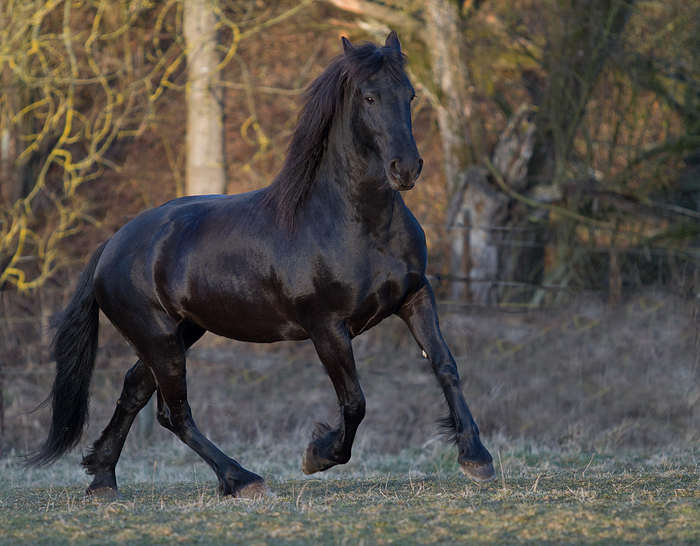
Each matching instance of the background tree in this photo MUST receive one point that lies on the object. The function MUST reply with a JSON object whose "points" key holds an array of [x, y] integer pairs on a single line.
{"points": [[206, 171], [552, 176], [568, 128], [80, 79], [86, 84]]}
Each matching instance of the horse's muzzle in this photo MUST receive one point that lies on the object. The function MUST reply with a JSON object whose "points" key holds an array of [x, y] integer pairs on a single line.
{"points": [[403, 174]]}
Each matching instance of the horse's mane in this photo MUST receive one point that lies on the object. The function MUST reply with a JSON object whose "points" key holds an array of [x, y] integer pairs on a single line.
{"points": [[319, 105]]}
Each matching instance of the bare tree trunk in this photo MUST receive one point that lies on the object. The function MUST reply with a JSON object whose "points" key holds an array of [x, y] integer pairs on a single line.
{"points": [[206, 169], [18, 178], [454, 113], [8, 147], [451, 78], [11, 176], [478, 209], [393, 16]]}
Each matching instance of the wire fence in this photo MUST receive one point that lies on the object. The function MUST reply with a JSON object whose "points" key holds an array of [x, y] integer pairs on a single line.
{"points": [[646, 276], [676, 269], [25, 364], [24, 318]]}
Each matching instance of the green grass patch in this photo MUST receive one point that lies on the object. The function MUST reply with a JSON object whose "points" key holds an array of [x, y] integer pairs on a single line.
{"points": [[566, 497], [629, 507]]}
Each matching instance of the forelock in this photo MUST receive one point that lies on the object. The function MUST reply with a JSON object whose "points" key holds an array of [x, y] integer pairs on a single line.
{"points": [[367, 59]]}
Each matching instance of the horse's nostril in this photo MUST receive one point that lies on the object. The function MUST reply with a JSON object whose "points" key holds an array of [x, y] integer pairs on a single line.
{"points": [[394, 168], [420, 167]]}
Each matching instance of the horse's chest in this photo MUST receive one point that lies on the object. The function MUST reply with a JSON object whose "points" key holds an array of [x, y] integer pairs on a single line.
{"points": [[391, 281]]}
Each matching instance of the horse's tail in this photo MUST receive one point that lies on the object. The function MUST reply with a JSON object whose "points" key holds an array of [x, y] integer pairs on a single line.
{"points": [[74, 348]]}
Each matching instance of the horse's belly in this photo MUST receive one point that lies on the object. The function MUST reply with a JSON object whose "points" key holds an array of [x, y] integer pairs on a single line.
{"points": [[258, 332], [243, 321]]}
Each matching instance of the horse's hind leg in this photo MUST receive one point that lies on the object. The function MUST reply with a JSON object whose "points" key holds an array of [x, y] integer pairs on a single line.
{"points": [[101, 461], [139, 385], [167, 360], [332, 446]]}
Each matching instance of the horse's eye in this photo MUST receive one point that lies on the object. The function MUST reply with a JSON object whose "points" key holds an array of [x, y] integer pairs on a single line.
{"points": [[369, 100]]}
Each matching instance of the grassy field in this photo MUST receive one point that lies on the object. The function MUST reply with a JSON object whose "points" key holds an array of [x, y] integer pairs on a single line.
{"points": [[604, 401], [416, 497]]}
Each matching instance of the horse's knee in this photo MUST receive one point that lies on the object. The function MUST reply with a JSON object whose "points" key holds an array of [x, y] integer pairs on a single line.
{"points": [[139, 385], [139, 379], [163, 419], [135, 376], [447, 375]]}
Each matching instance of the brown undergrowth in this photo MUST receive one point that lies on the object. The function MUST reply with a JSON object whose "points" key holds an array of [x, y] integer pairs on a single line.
{"points": [[590, 411], [586, 376]]}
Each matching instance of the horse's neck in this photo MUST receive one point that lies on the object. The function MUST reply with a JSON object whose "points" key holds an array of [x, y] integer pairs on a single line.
{"points": [[357, 177]]}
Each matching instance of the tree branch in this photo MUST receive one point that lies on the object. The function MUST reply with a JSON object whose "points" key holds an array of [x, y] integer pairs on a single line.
{"points": [[561, 211], [392, 17]]}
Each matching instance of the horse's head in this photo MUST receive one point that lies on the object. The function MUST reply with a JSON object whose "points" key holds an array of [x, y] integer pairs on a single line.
{"points": [[383, 101]]}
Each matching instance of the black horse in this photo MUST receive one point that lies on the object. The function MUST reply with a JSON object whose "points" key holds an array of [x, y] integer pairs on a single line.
{"points": [[325, 252]]}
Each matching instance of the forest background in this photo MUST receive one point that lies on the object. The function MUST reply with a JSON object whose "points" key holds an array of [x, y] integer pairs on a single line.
{"points": [[560, 198]]}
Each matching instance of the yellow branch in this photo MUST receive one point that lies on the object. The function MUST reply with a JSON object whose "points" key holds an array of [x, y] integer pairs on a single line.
{"points": [[536, 204], [287, 14], [64, 52]]}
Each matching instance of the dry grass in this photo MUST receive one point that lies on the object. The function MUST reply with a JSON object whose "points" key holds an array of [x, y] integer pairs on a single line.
{"points": [[416, 497], [586, 377], [591, 414]]}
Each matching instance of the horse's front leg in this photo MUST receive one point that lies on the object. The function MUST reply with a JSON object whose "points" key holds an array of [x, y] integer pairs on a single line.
{"points": [[420, 314], [332, 445]]}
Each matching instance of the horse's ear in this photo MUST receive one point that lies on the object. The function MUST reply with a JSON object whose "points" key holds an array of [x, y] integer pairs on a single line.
{"points": [[392, 41], [348, 48]]}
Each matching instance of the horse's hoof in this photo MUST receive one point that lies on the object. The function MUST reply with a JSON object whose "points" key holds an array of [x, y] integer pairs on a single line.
{"points": [[311, 461], [254, 491], [103, 493], [479, 473]]}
